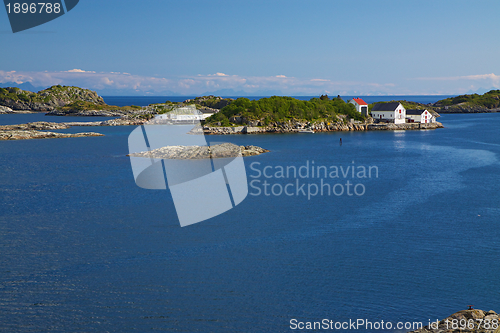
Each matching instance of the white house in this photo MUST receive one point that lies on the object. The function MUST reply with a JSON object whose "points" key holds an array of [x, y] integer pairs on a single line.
{"points": [[393, 112], [420, 116], [361, 106]]}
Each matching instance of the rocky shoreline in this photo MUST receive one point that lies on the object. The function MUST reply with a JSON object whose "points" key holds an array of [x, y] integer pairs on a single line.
{"points": [[462, 322], [465, 108], [223, 150], [321, 127], [37, 130], [7, 110], [86, 113]]}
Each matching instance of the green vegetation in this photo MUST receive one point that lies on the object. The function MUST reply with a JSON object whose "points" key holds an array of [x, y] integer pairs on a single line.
{"points": [[279, 109], [55, 95], [82, 105], [17, 94], [489, 100], [160, 108]]}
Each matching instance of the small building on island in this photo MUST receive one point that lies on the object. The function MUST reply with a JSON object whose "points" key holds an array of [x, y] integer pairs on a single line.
{"points": [[361, 106], [420, 116], [393, 112], [185, 115]]}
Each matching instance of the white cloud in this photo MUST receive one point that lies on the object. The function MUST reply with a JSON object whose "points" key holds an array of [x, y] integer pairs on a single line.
{"points": [[218, 74], [491, 76], [461, 84], [80, 71], [200, 84]]}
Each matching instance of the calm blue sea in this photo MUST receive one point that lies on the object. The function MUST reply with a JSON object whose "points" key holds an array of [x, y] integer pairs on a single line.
{"points": [[83, 249]]}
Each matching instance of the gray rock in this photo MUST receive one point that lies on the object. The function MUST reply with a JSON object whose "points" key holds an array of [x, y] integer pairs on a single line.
{"points": [[86, 113], [224, 150], [5, 109], [36, 130], [26, 135]]}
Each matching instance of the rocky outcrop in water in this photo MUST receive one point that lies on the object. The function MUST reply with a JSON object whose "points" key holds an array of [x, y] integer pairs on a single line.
{"points": [[86, 113], [111, 122], [463, 322], [27, 135], [36, 126], [224, 150], [48, 99], [37, 130]]}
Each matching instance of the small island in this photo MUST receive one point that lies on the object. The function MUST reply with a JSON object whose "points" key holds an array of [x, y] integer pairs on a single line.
{"points": [[38, 130], [276, 114], [223, 150]]}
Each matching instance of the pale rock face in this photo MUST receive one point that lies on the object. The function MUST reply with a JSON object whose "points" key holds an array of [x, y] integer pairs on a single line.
{"points": [[224, 150], [5, 109]]}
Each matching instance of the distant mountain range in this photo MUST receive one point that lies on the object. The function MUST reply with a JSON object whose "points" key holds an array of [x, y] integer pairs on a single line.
{"points": [[479, 91], [131, 92], [24, 86], [232, 92]]}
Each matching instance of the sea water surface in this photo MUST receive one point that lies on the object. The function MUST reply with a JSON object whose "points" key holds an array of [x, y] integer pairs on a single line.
{"points": [[83, 249]]}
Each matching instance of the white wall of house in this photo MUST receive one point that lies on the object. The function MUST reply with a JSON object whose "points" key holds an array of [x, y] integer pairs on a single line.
{"points": [[358, 107], [397, 116], [400, 114], [424, 117], [384, 115], [414, 117]]}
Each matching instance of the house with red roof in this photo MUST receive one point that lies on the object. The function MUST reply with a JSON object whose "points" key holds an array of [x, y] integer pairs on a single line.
{"points": [[361, 106]]}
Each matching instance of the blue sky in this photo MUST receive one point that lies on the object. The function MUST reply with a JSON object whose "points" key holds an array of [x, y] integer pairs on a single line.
{"points": [[291, 47]]}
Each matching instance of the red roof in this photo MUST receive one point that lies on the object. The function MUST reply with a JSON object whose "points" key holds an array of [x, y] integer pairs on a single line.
{"points": [[360, 101]]}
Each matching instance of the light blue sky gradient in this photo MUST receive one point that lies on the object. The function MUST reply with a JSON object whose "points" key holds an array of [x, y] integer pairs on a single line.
{"points": [[347, 47]]}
